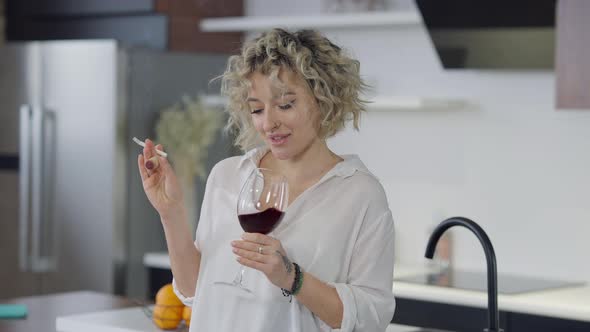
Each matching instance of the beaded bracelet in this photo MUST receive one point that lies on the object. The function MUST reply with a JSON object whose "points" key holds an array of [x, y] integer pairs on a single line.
{"points": [[297, 283]]}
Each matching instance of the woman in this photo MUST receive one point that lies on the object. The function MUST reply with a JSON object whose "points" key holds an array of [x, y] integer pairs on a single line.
{"points": [[288, 92]]}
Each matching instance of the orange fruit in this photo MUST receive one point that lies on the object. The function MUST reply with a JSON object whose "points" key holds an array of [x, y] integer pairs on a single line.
{"points": [[166, 317], [166, 296], [168, 310], [186, 315]]}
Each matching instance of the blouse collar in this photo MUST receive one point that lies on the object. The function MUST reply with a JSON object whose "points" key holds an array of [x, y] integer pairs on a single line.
{"points": [[345, 168]]}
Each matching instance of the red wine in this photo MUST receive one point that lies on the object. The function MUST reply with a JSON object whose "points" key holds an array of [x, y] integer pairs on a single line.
{"points": [[261, 222]]}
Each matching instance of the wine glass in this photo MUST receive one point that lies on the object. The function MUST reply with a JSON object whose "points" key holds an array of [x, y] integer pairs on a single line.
{"points": [[261, 206]]}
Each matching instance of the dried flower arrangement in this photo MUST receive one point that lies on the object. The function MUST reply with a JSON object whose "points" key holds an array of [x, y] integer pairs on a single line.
{"points": [[186, 130]]}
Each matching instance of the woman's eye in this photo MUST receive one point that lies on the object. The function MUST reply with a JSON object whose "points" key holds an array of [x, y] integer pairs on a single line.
{"points": [[256, 111], [286, 106]]}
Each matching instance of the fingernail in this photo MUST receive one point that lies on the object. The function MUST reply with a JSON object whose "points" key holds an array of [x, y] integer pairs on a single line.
{"points": [[235, 251], [149, 164], [233, 243]]}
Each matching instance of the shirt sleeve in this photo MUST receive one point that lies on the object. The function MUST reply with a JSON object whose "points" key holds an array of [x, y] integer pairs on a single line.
{"points": [[202, 230], [367, 296], [187, 301]]}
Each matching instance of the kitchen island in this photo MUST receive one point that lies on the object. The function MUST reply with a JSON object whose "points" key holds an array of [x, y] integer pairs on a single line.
{"points": [[91, 312], [135, 320], [560, 309]]}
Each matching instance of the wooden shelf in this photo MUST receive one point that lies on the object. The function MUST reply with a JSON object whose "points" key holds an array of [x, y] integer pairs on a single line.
{"points": [[408, 103], [384, 104], [362, 20]]}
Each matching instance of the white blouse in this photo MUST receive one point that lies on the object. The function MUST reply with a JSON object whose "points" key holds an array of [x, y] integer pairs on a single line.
{"points": [[340, 230]]}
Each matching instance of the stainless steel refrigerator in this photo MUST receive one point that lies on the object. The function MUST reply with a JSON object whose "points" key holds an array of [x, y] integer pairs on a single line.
{"points": [[73, 214]]}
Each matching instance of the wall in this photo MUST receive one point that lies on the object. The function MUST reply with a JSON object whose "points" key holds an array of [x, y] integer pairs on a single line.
{"points": [[511, 162]]}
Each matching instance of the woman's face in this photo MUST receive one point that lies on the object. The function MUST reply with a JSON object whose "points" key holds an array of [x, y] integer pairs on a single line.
{"points": [[285, 115]]}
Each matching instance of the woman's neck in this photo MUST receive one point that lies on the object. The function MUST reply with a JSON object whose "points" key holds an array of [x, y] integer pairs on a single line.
{"points": [[309, 165]]}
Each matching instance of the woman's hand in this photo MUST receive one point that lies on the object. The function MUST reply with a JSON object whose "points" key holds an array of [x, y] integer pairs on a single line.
{"points": [[265, 254], [159, 182]]}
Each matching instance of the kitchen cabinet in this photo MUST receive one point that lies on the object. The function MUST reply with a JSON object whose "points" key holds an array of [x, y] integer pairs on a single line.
{"points": [[564, 308], [30, 8], [147, 30], [132, 21], [160, 24], [159, 272], [157, 277], [572, 67], [462, 318], [1, 22]]}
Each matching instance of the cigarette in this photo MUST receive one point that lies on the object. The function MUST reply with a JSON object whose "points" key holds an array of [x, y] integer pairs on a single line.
{"points": [[142, 144]]}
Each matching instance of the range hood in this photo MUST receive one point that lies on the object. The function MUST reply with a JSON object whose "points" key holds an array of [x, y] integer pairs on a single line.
{"points": [[497, 34]]}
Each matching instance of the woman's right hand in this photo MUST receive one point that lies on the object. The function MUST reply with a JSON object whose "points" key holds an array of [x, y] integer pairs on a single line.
{"points": [[160, 183]]}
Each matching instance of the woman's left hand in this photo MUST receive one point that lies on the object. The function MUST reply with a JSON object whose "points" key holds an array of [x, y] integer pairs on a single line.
{"points": [[266, 254]]}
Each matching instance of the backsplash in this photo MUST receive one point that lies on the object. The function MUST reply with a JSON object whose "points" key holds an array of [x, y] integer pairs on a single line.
{"points": [[512, 163]]}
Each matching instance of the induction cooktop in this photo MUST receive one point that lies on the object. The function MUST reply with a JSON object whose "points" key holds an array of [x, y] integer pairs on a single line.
{"points": [[507, 284]]}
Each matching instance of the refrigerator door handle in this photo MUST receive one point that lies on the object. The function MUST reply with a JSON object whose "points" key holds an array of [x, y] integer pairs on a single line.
{"points": [[49, 254], [43, 157], [24, 187], [36, 193]]}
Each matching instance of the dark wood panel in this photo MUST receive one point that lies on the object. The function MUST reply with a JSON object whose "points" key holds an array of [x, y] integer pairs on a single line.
{"points": [[185, 36], [573, 55], [200, 8], [184, 18]]}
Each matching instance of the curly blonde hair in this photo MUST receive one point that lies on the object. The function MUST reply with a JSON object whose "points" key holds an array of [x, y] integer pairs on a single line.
{"points": [[332, 76]]}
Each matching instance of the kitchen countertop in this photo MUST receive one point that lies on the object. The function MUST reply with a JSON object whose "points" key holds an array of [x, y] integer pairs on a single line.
{"points": [[92, 312], [565, 303], [43, 309], [135, 320]]}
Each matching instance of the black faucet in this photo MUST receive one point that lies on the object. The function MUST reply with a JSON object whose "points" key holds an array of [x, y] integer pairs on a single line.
{"points": [[493, 317]]}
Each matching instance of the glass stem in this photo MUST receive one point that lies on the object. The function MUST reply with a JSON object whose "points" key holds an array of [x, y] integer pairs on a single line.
{"points": [[240, 276]]}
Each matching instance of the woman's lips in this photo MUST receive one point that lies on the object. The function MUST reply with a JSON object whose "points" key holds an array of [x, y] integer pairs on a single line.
{"points": [[278, 139]]}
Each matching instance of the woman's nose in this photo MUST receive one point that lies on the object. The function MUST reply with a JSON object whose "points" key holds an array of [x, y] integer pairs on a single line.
{"points": [[270, 120]]}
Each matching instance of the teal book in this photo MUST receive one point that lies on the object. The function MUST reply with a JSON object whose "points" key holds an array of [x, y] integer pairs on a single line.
{"points": [[13, 311]]}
